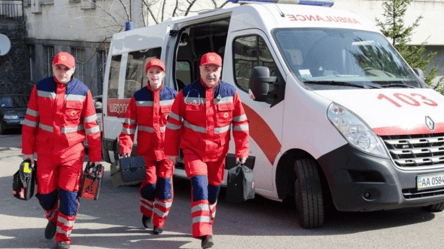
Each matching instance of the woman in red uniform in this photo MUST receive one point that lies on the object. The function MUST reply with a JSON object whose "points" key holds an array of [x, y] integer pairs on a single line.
{"points": [[148, 110]]}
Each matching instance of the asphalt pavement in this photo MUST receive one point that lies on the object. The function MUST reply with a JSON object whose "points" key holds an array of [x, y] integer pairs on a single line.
{"points": [[114, 221]]}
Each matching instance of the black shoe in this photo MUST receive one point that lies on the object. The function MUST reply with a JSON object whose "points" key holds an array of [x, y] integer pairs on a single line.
{"points": [[157, 230], [62, 245], [207, 241], [50, 230], [146, 221]]}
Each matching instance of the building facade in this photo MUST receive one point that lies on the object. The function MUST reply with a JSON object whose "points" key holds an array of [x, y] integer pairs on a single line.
{"points": [[84, 28]]}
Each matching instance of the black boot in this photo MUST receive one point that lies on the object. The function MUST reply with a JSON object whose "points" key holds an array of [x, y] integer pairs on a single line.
{"points": [[146, 221], [62, 245], [207, 241], [50, 230], [157, 230]]}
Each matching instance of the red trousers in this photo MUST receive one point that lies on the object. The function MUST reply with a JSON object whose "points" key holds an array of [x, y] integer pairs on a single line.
{"points": [[156, 192], [58, 178], [206, 178]]}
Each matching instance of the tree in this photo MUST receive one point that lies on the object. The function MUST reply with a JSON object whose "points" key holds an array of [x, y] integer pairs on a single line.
{"points": [[401, 35]]}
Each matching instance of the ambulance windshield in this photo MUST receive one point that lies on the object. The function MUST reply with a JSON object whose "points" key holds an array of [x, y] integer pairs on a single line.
{"points": [[342, 58]]}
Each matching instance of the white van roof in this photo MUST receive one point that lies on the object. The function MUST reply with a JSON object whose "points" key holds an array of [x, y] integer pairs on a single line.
{"points": [[264, 16]]}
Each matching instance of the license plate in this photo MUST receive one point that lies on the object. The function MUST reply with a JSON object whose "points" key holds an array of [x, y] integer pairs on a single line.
{"points": [[430, 181]]}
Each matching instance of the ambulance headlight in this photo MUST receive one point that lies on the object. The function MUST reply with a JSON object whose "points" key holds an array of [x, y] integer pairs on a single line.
{"points": [[355, 131]]}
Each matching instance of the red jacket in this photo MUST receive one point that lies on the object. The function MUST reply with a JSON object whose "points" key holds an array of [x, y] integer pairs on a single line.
{"points": [[148, 111], [201, 119], [60, 116]]}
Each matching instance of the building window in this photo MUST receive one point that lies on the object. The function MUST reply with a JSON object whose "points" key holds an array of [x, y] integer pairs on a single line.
{"points": [[31, 51], [49, 55], [79, 55]]}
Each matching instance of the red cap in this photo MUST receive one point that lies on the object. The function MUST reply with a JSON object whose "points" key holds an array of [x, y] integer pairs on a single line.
{"points": [[154, 62], [211, 58], [64, 58]]}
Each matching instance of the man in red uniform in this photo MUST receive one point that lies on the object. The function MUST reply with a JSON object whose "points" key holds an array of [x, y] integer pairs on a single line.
{"points": [[200, 123], [60, 115], [148, 110]]}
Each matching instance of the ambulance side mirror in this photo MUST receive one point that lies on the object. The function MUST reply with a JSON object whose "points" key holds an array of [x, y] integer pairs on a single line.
{"points": [[260, 81]]}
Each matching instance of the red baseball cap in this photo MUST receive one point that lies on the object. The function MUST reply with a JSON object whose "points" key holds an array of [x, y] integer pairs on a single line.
{"points": [[64, 58], [154, 62], [211, 58]]}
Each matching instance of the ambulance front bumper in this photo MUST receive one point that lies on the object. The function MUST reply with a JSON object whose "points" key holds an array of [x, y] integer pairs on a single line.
{"points": [[361, 182]]}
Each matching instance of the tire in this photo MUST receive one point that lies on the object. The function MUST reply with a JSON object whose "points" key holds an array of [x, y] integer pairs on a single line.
{"points": [[308, 194], [434, 208]]}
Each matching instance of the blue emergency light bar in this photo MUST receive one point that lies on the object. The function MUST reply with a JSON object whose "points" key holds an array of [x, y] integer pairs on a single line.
{"points": [[327, 3]]}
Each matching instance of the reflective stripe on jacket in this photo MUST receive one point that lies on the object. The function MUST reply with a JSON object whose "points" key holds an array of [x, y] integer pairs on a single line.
{"points": [[147, 111], [60, 116], [201, 119]]}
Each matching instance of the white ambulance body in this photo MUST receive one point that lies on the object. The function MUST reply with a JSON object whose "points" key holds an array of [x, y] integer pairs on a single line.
{"points": [[342, 118]]}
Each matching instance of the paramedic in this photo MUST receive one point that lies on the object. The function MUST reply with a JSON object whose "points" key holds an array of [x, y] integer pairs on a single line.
{"points": [[148, 110], [60, 115], [200, 123]]}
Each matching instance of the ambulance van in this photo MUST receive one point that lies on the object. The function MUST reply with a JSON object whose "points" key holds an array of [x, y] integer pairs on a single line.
{"points": [[337, 117]]}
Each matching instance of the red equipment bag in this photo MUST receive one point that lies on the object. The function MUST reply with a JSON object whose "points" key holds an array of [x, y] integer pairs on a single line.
{"points": [[24, 181], [91, 181]]}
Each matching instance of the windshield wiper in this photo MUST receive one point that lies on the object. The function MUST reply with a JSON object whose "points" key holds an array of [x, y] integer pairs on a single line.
{"points": [[397, 84], [340, 83]]}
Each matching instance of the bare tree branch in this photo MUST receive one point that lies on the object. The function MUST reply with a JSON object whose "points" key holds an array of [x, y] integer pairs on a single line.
{"points": [[220, 7], [163, 9], [175, 8], [189, 6], [126, 10], [109, 14], [151, 13]]}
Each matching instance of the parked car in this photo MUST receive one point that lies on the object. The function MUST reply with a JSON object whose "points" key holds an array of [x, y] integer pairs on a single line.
{"points": [[12, 111]]}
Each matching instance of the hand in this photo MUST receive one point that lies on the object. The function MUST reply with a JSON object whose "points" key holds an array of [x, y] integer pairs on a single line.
{"points": [[95, 163], [125, 155], [173, 159], [30, 157], [242, 160]]}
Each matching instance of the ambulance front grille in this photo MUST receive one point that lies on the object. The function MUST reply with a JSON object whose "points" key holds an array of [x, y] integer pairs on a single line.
{"points": [[413, 151]]}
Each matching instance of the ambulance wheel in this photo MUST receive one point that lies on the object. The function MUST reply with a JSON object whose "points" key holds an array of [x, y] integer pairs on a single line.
{"points": [[434, 208], [308, 194]]}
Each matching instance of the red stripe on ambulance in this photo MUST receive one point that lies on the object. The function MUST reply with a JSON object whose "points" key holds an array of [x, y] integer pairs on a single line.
{"points": [[262, 134]]}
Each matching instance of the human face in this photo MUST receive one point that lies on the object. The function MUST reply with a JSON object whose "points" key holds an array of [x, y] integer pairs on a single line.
{"points": [[210, 74], [63, 73], [155, 77]]}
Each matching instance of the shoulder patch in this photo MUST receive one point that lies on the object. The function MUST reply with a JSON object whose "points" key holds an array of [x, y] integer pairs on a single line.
{"points": [[227, 89]]}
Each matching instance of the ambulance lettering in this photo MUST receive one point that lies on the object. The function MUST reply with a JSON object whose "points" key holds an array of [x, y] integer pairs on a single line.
{"points": [[117, 107], [408, 100], [317, 18]]}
